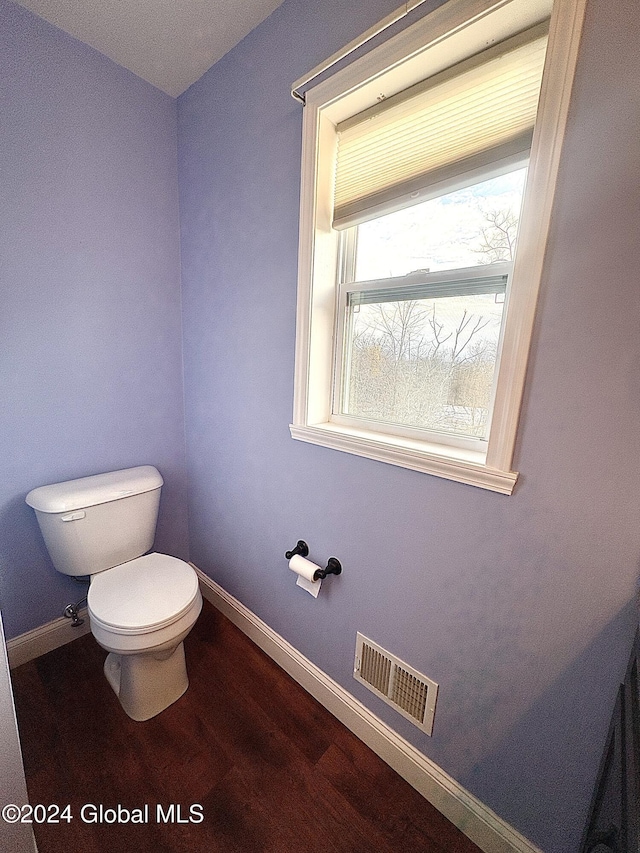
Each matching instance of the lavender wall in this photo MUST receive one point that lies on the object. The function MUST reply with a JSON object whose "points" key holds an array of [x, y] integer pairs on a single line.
{"points": [[90, 292], [520, 607]]}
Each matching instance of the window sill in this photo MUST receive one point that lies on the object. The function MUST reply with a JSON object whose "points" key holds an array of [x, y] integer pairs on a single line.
{"points": [[451, 463]]}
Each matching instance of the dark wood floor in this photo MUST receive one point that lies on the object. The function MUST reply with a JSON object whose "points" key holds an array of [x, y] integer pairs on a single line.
{"points": [[273, 770]]}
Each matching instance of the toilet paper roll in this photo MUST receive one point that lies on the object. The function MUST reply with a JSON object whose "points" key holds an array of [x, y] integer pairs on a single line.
{"points": [[305, 570], [303, 567]]}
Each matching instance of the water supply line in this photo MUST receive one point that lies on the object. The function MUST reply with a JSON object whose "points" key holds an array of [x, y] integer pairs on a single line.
{"points": [[71, 610]]}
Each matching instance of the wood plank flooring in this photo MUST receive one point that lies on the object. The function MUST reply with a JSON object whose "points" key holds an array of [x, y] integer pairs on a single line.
{"points": [[273, 771]]}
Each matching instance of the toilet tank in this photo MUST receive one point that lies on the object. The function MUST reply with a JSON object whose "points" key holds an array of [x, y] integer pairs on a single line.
{"points": [[98, 522]]}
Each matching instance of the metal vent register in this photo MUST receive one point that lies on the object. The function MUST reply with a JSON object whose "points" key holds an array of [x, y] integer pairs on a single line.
{"points": [[397, 683]]}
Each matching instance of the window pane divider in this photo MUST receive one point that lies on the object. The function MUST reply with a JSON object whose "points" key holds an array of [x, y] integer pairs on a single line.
{"points": [[483, 278]]}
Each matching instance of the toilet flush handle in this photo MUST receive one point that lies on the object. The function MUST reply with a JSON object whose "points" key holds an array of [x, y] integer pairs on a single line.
{"points": [[73, 516]]}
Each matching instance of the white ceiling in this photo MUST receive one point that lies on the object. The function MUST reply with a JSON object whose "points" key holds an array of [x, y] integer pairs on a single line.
{"points": [[169, 43]]}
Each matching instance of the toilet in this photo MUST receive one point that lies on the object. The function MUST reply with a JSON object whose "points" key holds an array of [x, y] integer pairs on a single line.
{"points": [[141, 605]]}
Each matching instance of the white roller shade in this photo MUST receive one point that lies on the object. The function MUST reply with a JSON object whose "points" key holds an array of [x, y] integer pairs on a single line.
{"points": [[480, 111]]}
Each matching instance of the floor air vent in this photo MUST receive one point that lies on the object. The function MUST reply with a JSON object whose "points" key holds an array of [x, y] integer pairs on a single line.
{"points": [[401, 686]]}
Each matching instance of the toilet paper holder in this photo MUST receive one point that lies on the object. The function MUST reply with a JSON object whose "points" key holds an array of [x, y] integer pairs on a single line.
{"points": [[334, 566]]}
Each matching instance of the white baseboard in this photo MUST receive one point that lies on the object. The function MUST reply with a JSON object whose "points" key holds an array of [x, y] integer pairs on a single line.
{"points": [[483, 826], [44, 639]]}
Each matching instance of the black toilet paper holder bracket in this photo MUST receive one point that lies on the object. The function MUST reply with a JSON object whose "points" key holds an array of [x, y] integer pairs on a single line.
{"points": [[301, 548], [334, 567]]}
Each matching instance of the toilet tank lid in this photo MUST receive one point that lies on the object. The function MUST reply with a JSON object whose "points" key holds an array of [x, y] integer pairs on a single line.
{"points": [[98, 489]]}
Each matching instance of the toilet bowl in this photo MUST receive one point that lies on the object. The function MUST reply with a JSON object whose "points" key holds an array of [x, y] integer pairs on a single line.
{"points": [[140, 612], [141, 605]]}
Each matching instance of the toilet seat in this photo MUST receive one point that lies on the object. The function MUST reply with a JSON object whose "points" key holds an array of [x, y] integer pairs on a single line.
{"points": [[143, 595]]}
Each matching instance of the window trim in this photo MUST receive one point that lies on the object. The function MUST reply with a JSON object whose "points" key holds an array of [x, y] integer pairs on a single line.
{"points": [[355, 87]]}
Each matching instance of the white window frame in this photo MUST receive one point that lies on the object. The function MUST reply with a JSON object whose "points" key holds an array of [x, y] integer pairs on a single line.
{"points": [[457, 29]]}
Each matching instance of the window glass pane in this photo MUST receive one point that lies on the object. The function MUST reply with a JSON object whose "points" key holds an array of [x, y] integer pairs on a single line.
{"points": [[475, 225], [425, 363], [429, 362]]}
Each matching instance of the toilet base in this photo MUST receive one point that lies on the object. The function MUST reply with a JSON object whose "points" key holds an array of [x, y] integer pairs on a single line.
{"points": [[145, 684]]}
